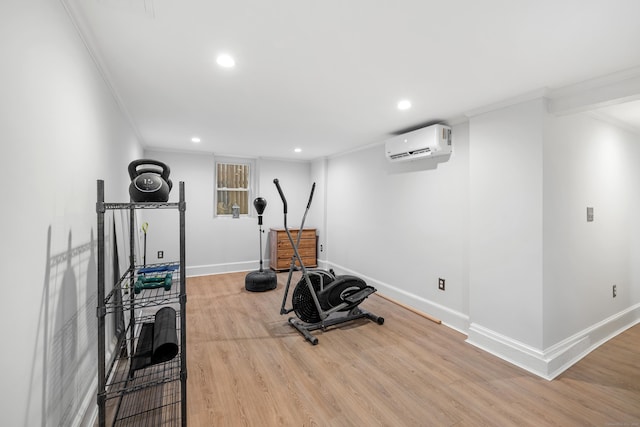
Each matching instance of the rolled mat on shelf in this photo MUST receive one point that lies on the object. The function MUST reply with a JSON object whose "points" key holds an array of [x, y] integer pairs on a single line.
{"points": [[158, 341], [165, 337]]}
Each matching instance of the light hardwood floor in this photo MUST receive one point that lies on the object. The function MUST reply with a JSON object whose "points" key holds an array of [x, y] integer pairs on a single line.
{"points": [[247, 367]]}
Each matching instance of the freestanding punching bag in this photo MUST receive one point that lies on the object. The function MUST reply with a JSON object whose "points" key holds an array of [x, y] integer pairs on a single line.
{"points": [[261, 280]]}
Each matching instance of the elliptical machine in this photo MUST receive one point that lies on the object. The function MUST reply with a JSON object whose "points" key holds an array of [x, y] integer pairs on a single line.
{"points": [[321, 299]]}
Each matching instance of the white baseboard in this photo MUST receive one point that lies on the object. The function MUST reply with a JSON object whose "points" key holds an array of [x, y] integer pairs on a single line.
{"points": [[451, 318], [91, 416], [233, 267], [553, 361], [88, 411], [510, 350]]}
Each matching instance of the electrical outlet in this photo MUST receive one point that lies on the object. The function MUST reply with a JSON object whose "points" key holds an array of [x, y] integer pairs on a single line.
{"points": [[441, 284], [615, 290], [160, 254], [321, 248]]}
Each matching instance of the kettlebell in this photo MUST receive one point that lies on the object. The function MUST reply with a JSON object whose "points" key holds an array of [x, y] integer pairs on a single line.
{"points": [[149, 184]]}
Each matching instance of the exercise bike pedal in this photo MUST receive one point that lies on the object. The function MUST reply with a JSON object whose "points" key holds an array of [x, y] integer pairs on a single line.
{"points": [[360, 295]]}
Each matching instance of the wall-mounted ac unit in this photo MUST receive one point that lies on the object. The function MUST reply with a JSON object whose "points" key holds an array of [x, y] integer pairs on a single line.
{"points": [[430, 141]]}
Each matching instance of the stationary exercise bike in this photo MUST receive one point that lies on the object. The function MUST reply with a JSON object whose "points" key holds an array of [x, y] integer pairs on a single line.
{"points": [[321, 299]]}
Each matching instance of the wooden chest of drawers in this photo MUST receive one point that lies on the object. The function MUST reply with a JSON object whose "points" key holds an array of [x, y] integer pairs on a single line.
{"points": [[281, 250]]}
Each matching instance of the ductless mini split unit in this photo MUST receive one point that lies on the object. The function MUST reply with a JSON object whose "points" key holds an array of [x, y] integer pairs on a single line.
{"points": [[430, 141]]}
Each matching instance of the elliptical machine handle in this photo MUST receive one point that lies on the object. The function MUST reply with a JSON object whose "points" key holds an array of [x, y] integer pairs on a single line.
{"points": [[313, 188], [284, 200]]}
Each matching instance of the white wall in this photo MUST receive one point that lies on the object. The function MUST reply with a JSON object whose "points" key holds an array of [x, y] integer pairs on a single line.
{"points": [[505, 221], [541, 276], [222, 244], [295, 180], [404, 225], [61, 130], [318, 211], [589, 162]]}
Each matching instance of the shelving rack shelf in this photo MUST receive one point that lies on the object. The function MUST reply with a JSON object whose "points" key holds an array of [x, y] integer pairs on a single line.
{"points": [[130, 395]]}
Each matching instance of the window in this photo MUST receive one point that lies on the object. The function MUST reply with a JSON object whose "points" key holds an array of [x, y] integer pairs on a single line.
{"points": [[234, 178]]}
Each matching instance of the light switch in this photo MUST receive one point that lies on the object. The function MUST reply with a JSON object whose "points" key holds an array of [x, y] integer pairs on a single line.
{"points": [[589, 214]]}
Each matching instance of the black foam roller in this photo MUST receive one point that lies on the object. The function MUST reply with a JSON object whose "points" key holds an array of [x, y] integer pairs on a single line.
{"points": [[144, 348], [165, 336]]}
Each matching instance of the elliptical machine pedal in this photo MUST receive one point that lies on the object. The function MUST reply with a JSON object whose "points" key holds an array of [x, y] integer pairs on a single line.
{"points": [[360, 296]]}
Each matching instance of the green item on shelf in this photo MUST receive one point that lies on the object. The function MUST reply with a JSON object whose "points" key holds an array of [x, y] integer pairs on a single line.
{"points": [[154, 282]]}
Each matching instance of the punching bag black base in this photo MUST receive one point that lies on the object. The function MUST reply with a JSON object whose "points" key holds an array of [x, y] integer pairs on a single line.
{"points": [[260, 281]]}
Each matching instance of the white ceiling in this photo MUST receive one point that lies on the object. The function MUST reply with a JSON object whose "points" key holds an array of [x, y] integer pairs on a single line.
{"points": [[325, 76]]}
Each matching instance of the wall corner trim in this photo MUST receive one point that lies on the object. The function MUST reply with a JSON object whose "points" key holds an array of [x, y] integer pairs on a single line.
{"points": [[554, 360]]}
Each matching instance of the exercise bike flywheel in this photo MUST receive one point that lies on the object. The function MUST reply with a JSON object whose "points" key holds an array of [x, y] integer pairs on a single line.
{"points": [[302, 301]]}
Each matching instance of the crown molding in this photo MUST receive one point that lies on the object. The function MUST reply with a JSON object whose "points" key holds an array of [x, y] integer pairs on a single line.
{"points": [[525, 97], [615, 88], [86, 35]]}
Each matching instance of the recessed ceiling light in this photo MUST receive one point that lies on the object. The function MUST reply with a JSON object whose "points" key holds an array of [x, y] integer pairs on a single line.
{"points": [[195, 139], [404, 104], [226, 61], [298, 150]]}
